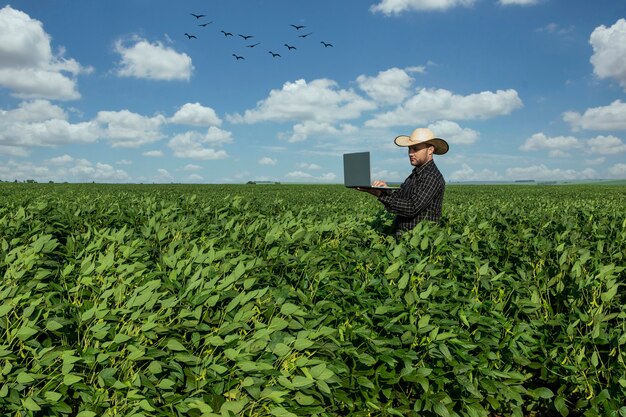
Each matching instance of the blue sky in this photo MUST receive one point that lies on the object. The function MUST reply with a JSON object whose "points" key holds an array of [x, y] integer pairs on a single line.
{"points": [[114, 91]]}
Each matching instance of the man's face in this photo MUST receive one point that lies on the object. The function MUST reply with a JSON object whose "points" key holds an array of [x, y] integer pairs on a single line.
{"points": [[420, 154]]}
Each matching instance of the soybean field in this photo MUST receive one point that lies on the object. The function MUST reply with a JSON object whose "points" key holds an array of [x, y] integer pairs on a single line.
{"points": [[294, 300]]}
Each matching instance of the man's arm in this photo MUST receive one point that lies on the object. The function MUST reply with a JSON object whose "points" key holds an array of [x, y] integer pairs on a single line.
{"points": [[375, 191], [418, 199]]}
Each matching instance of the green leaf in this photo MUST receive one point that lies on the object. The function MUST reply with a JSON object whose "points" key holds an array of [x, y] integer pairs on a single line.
{"points": [[86, 413], [233, 406], [274, 395], [277, 323], [608, 295], [166, 384], [5, 308], [30, 404], [365, 382], [25, 333], [404, 281], [561, 407], [24, 378], [302, 343], [289, 309], [281, 412], [542, 392], [53, 325], [299, 381], [71, 379], [173, 344], [304, 399], [441, 410], [281, 350], [393, 267], [145, 405], [52, 396]]}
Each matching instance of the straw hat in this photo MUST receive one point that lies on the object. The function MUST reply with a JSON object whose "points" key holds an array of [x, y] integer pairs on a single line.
{"points": [[423, 135]]}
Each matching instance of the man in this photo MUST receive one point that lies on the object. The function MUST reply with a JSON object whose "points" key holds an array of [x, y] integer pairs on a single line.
{"points": [[420, 196]]}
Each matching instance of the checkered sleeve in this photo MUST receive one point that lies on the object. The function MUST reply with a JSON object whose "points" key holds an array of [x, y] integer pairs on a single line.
{"points": [[415, 195]]}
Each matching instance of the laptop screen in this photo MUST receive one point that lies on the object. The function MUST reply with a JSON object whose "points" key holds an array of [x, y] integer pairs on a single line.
{"points": [[356, 169]]}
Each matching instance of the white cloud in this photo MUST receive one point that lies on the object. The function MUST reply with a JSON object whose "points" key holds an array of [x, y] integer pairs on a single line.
{"points": [[9, 150], [192, 144], [28, 66], [596, 161], [606, 145], [611, 117], [194, 114], [153, 61], [48, 133], [433, 104], [21, 171], [395, 7], [61, 160], [267, 161], [556, 29], [62, 168], [420, 69], [124, 162], [192, 167], [467, 173], [319, 100], [543, 173], [305, 176], [389, 87], [453, 133], [153, 154], [310, 167], [217, 136], [86, 170], [518, 2], [127, 129], [609, 50], [302, 131], [618, 170], [558, 146], [163, 175], [32, 111], [195, 177]]}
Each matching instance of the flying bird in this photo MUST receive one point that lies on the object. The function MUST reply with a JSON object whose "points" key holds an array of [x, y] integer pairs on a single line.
{"points": [[326, 45], [298, 27], [238, 57], [226, 33], [246, 37], [197, 16], [190, 36], [290, 47], [305, 35], [253, 45], [273, 54], [204, 24]]}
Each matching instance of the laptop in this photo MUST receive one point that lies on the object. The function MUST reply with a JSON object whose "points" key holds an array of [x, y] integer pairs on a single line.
{"points": [[356, 171]]}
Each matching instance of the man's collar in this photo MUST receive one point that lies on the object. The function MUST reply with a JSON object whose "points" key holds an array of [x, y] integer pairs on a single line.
{"points": [[420, 168]]}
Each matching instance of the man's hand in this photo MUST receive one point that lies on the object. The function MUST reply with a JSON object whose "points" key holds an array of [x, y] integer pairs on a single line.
{"points": [[374, 191]]}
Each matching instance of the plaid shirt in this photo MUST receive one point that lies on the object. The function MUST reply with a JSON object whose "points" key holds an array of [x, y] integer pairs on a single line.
{"points": [[420, 197]]}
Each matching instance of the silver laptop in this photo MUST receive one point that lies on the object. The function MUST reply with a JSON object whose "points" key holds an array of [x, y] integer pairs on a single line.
{"points": [[356, 171]]}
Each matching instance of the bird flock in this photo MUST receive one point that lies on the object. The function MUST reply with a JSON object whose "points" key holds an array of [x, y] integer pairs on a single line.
{"points": [[249, 41]]}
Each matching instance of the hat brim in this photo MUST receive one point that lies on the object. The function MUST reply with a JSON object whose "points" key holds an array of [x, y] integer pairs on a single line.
{"points": [[440, 145]]}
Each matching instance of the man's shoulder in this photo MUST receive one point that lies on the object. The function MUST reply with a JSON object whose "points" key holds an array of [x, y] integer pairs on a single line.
{"points": [[429, 168]]}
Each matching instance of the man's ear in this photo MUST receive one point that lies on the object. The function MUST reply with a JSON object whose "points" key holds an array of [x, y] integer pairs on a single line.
{"points": [[431, 149]]}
